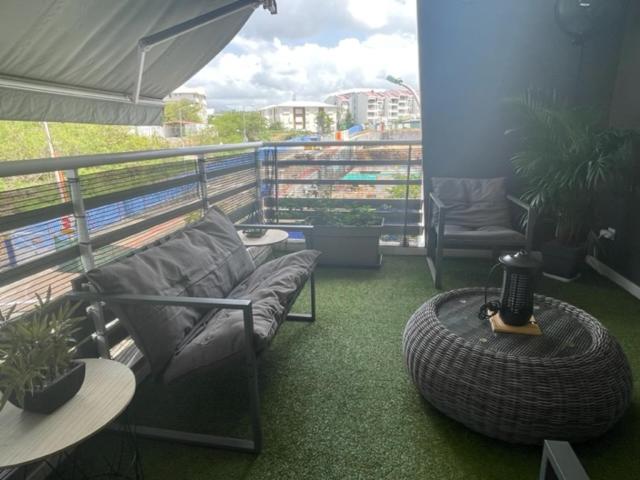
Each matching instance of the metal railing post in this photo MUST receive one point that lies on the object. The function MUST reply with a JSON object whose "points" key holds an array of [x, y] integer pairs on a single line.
{"points": [[202, 181], [80, 215], [259, 205], [275, 179], [405, 242]]}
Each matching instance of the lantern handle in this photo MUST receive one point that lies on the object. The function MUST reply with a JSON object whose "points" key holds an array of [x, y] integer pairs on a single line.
{"points": [[494, 305]]}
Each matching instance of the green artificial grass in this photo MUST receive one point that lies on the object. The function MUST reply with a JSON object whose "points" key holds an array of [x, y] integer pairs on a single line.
{"points": [[337, 402]]}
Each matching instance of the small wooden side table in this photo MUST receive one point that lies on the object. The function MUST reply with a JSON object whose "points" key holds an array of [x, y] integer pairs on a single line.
{"points": [[28, 437], [271, 237]]}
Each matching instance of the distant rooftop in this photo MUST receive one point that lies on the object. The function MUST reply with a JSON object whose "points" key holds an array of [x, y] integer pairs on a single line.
{"points": [[299, 104], [190, 90]]}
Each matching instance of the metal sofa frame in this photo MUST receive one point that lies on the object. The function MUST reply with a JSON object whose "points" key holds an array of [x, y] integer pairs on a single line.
{"points": [[100, 336]]}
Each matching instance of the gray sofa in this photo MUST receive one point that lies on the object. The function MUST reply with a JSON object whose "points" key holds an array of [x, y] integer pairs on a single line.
{"points": [[195, 300], [474, 213]]}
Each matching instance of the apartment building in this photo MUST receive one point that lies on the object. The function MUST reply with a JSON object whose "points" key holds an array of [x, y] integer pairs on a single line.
{"points": [[372, 106], [299, 115]]}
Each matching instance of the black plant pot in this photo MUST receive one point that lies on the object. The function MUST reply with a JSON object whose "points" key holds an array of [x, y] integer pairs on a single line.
{"points": [[562, 261], [56, 393]]}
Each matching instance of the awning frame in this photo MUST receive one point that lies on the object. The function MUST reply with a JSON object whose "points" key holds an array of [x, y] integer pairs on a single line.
{"points": [[144, 45]]}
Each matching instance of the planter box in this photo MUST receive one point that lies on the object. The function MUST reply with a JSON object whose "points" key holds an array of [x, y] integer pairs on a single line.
{"points": [[562, 261], [346, 246], [55, 394]]}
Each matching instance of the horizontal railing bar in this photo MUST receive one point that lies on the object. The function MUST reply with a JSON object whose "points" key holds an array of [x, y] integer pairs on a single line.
{"points": [[250, 165], [311, 181], [120, 195], [387, 213], [30, 217], [391, 229], [40, 165], [338, 202], [242, 212], [346, 143], [343, 163], [39, 264], [124, 232], [115, 235], [230, 193], [398, 229]]}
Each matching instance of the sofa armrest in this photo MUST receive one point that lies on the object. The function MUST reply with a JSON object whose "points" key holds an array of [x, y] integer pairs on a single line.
{"points": [[437, 202], [560, 461], [530, 214], [194, 302], [519, 203], [442, 213]]}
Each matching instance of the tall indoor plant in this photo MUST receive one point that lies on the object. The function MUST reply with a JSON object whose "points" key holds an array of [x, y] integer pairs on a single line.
{"points": [[37, 369], [567, 157]]}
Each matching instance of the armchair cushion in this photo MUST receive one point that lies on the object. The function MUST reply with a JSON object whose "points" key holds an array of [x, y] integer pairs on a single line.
{"points": [[473, 202], [272, 288], [206, 259], [488, 235]]}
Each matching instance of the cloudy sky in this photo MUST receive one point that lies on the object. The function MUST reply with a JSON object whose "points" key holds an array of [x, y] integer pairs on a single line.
{"points": [[312, 48]]}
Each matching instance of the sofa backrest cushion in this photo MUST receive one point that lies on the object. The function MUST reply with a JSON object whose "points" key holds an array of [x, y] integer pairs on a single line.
{"points": [[474, 202], [205, 259]]}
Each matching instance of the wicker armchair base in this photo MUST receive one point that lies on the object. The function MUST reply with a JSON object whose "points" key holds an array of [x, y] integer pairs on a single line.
{"points": [[572, 383]]}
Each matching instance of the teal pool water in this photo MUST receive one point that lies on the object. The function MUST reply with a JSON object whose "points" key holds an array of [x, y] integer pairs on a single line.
{"points": [[360, 176]]}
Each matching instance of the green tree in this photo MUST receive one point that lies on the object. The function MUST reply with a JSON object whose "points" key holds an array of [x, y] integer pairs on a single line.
{"points": [[182, 110], [276, 126], [324, 122], [347, 121], [231, 126]]}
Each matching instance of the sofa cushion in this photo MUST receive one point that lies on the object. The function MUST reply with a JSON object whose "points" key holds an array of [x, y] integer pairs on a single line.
{"points": [[487, 235], [271, 288], [473, 202], [206, 259]]}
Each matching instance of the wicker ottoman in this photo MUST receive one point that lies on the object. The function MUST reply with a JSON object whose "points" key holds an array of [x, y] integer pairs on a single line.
{"points": [[572, 383]]}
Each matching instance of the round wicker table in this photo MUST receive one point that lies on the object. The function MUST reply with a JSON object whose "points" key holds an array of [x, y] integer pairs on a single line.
{"points": [[571, 383]]}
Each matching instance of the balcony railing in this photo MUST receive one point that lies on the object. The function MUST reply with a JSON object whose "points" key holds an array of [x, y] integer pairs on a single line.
{"points": [[54, 226]]}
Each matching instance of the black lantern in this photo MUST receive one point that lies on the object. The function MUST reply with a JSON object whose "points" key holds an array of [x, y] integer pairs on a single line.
{"points": [[516, 303], [518, 281]]}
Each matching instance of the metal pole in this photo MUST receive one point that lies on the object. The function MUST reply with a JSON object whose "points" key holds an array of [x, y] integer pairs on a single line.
{"points": [[275, 179], [405, 242], [147, 43], [259, 205], [79, 212], [202, 181]]}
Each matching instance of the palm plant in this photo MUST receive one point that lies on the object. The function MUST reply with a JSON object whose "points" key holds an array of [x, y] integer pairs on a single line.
{"points": [[567, 158], [36, 348]]}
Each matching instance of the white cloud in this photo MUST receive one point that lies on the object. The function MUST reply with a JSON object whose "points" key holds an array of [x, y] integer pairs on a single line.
{"points": [[299, 19], [376, 14], [312, 48], [266, 72]]}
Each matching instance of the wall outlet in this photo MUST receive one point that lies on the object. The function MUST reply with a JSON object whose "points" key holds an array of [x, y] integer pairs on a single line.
{"points": [[609, 233]]}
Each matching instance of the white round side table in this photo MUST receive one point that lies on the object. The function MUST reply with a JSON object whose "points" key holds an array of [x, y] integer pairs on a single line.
{"points": [[271, 237], [28, 437]]}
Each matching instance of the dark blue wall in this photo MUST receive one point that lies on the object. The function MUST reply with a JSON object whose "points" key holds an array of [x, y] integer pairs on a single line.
{"points": [[624, 215], [474, 54]]}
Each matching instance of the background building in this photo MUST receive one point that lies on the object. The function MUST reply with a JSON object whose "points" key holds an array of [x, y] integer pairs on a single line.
{"points": [[189, 113], [300, 115], [375, 106]]}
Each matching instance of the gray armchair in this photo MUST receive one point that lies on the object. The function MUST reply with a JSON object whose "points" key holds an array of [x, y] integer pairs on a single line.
{"points": [[474, 213]]}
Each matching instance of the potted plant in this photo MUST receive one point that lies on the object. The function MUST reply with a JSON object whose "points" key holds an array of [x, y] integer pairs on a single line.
{"points": [[567, 158], [37, 370], [347, 237]]}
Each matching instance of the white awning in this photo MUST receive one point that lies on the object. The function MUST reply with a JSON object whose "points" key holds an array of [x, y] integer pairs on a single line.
{"points": [[108, 61]]}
